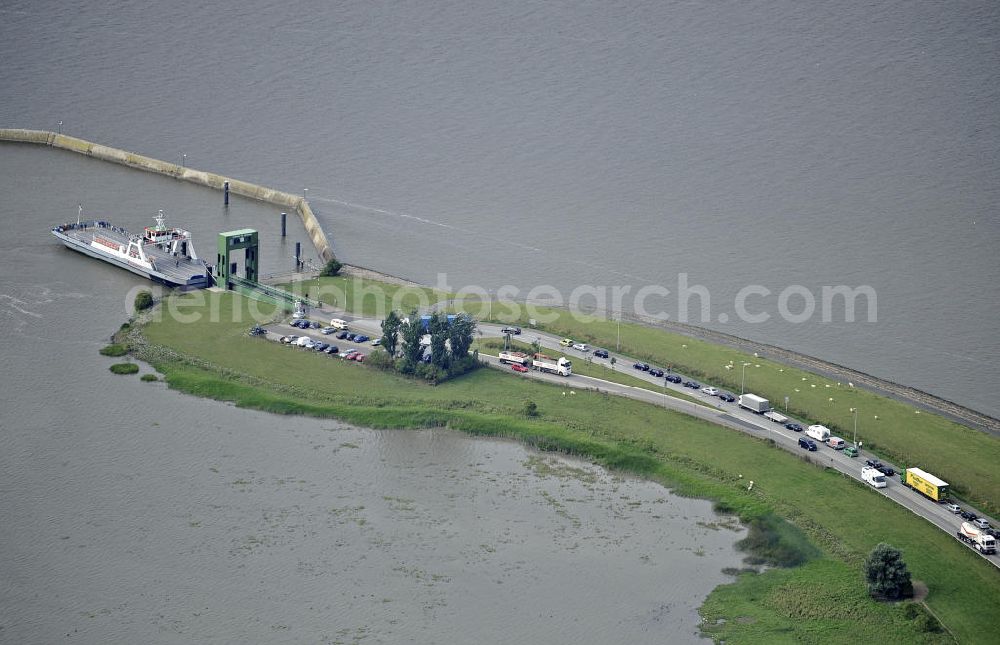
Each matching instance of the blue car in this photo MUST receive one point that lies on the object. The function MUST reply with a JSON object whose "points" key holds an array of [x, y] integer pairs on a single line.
{"points": [[361, 338], [655, 371], [673, 378]]}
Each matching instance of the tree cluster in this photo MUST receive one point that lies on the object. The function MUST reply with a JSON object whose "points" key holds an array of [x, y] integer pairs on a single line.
{"points": [[449, 345]]}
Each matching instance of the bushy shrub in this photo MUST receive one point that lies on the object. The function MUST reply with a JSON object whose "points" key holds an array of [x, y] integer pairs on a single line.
{"points": [[125, 368], [113, 349], [331, 268], [143, 300]]}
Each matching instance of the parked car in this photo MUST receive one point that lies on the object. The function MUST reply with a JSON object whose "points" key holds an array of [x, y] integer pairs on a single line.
{"points": [[808, 444], [642, 367], [376, 342], [288, 340], [794, 427], [673, 378], [361, 338], [342, 335], [300, 323], [327, 330], [566, 342], [581, 347], [517, 367], [954, 508], [332, 350], [694, 385], [320, 346], [352, 336], [601, 353], [314, 325], [516, 331], [655, 371], [981, 523], [711, 391], [359, 357], [348, 353], [729, 398]]}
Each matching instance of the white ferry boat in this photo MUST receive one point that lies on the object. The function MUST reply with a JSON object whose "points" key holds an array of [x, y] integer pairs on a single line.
{"points": [[162, 254]]}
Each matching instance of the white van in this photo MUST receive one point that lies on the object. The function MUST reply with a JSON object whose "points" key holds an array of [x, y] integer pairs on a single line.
{"points": [[306, 342], [337, 323], [836, 443]]}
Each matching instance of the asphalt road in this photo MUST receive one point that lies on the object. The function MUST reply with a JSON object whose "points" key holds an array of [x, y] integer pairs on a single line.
{"points": [[715, 410]]}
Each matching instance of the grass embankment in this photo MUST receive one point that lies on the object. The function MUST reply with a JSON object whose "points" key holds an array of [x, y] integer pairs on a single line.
{"points": [[822, 601], [964, 457], [899, 432]]}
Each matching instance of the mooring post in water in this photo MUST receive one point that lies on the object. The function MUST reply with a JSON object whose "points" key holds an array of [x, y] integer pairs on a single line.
{"points": [[298, 255], [225, 193], [283, 216]]}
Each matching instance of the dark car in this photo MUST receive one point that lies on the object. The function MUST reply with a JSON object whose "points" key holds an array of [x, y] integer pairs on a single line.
{"points": [[319, 347], [729, 398], [300, 323], [888, 471], [642, 367], [794, 427], [314, 325], [342, 335], [332, 349], [874, 463], [361, 338], [808, 444], [966, 515], [673, 378], [655, 371], [351, 336], [694, 385], [601, 353], [516, 331]]}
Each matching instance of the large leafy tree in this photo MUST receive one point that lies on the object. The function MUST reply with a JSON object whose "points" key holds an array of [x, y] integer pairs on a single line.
{"points": [[413, 331], [439, 336], [460, 335], [390, 332], [887, 574]]}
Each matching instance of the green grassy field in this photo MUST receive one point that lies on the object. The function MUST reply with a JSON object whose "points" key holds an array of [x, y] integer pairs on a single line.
{"points": [[821, 601]]}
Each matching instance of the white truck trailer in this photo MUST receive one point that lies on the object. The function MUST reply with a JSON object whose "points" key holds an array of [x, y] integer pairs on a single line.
{"points": [[514, 357], [977, 538], [873, 477], [819, 433], [754, 403], [543, 363]]}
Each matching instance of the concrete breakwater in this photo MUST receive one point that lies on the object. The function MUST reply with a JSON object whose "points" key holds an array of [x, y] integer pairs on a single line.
{"points": [[200, 177]]}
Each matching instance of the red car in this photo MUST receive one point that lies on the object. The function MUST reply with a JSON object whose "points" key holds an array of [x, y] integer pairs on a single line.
{"points": [[359, 357], [517, 367]]}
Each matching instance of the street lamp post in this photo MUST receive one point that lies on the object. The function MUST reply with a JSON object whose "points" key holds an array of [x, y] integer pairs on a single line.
{"points": [[60, 127], [618, 343], [184, 160], [854, 411], [490, 296], [305, 194], [743, 379]]}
